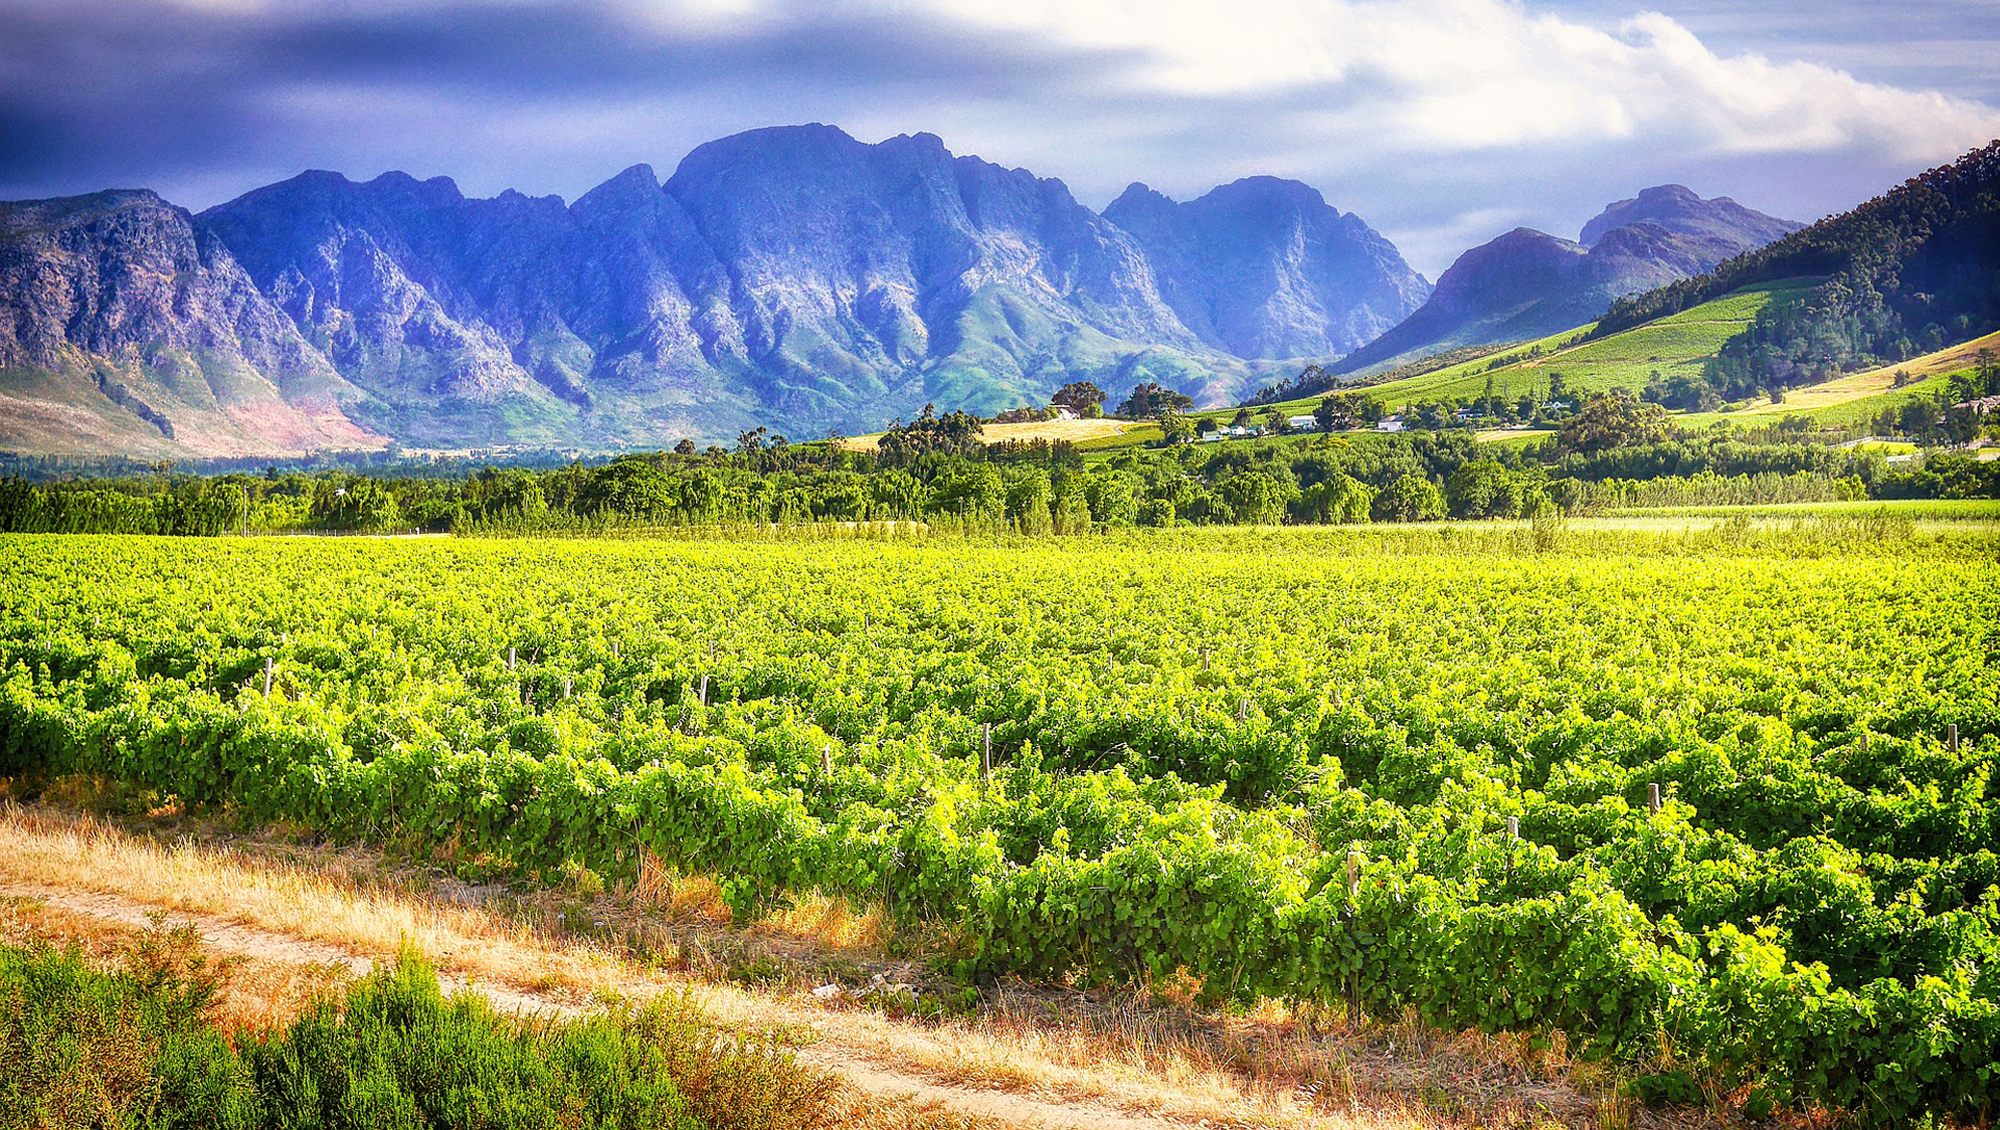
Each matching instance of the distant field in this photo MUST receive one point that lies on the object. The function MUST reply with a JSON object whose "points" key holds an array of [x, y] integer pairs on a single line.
{"points": [[1513, 435], [1076, 431], [1471, 374], [1954, 511]]}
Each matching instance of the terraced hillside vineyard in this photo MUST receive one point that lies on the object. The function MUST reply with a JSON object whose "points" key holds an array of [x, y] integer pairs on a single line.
{"points": [[1284, 761]]}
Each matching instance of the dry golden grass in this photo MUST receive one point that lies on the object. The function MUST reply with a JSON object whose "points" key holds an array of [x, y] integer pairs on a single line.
{"points": [[1051, 430], [813, 918], [1873, 382], [258, 994], [1124, 1055]]}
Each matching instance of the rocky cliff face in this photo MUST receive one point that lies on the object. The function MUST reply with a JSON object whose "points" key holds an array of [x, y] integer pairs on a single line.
{"points": [[791, 277], [125, 328], [1266, 268], [1529, 284]]}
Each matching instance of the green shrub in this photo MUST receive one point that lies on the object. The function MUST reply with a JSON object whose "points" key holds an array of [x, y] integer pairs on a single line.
{"points": [[136, 1049]]}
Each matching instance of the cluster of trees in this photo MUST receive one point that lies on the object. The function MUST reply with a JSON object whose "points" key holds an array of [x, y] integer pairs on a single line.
{"points": [[1938, 418], [923, 476], [1845, 323], [1150, 401], [935, 470], [957, 433], [193, 505], [1685, 392]]}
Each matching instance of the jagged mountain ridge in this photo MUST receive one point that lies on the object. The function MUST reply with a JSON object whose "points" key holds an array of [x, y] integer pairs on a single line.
{"points": [[793, 277], [121, 316], [1528, 284], [1266, 268]]}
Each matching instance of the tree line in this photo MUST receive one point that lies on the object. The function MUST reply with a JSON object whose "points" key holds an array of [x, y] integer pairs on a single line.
{"points": [[935, 470]]}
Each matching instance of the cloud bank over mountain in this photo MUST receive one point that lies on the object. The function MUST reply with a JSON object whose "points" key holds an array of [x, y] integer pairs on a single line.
{"points": [[1441, 120]]}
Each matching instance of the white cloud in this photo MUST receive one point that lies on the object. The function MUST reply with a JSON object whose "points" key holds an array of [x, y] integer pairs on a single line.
{"points": [[1443, 75]]}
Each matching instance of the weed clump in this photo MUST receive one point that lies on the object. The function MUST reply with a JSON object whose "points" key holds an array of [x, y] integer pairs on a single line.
{"points": [[137, 1047]]}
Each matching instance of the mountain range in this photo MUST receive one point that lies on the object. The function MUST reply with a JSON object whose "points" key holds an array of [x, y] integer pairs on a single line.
{"points": [[1529, 284], [792, 277]]}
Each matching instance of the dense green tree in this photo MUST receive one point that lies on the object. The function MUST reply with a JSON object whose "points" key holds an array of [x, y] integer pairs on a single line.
{"points": [[1151, 400], [1408, 499], [1176, 427], [1341, 410], [1483, 489], [1610, 420], [1081, 397], [1337, 500], [1259, 498]]}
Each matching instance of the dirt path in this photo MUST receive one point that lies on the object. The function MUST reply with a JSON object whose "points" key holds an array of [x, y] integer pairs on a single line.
{"points": [[232, 938]]}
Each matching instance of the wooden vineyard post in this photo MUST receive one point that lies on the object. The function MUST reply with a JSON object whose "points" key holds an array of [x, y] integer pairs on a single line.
{"points": [[1513, 833], [986, 756], [1653, 798], [614, 649], [703, 696], [1951, 736], [510, 659], [1204, 659], [565, 686], [269, 664], [1354, 861], [1242, 710], [825, 762]]}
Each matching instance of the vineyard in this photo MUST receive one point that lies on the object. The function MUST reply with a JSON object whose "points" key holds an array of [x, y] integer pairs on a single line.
{"points": [[1720, 805]]}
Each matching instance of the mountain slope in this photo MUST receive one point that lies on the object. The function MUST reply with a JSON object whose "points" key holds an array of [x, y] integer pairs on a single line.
{"points": [[1528, 284], [126, 328], [1910, 271]]}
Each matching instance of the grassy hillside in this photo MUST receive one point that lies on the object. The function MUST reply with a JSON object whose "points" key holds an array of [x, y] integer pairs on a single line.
{"points": [[1857, 397], [1676, 344]]}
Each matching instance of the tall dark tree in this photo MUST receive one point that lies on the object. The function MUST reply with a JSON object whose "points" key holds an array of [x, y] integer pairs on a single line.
{"points": [[1151, 401], [1610, 420], [1081, 397]]}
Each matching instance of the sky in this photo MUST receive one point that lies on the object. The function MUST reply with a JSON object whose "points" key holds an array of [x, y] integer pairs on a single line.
{"points": [[1440, 122]]}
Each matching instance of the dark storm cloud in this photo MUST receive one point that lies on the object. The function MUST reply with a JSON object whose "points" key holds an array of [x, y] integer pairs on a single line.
{"points": [[138, 92]]}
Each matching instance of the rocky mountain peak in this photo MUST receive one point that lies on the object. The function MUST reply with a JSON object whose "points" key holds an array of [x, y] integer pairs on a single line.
{"points": [[1264, 267], [1525, 284], [1679, 209]]}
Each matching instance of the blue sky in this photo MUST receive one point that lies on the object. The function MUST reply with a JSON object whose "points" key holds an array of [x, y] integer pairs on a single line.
{"points": [[1441, 122]]}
